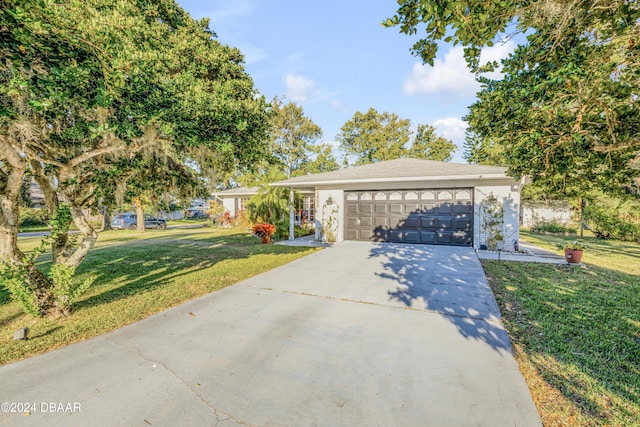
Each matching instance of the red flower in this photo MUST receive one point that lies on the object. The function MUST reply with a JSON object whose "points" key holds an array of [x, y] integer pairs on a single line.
{"points": [[264, 230]]}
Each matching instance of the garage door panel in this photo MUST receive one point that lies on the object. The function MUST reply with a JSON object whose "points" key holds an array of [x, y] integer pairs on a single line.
{"points": [[411, 208], [430, 216], [463, 224], [427, 237], [381, 222], [460, 208], [379, 235], [411, 236], [444, 222], [429, 208], [394, 235], [427, 222], [380, 208], [412, 221], [366, 222], [396, 221], [445, 237], [445, 209], [461, 238], [365, 208]]}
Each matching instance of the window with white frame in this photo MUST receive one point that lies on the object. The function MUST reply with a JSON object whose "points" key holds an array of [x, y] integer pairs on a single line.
{"points": [[305, 213], [242, 204]]}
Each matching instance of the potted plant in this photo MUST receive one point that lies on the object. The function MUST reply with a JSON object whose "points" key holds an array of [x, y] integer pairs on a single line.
{"points": [[264, 231], [573, 251]]}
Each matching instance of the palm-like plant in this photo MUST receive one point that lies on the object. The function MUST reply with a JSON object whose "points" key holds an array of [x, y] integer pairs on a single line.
{"points": [[271, 204]]}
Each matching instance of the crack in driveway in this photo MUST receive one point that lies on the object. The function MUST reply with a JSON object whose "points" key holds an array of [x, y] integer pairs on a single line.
{"points": [[423, 310], [220, 416]]}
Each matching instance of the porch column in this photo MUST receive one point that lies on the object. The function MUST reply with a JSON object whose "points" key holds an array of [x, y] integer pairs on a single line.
{"points": [[292, 215]]}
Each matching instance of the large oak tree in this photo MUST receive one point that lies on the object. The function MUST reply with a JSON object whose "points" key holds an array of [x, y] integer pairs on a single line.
{"points": [[84, 83], [567, 111], [374, 137]]}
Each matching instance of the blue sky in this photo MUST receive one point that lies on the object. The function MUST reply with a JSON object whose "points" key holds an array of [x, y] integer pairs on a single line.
{"points": [[334, 58]]}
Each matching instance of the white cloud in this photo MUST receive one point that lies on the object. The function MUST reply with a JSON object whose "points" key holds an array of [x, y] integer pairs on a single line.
{"points": [[299, 88], [451, 75], [496, 53], [453, 129]]}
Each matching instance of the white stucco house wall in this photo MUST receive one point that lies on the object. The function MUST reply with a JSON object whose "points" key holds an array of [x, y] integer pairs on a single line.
{"points": [[234, 200], [534, 213], [411, 201]]}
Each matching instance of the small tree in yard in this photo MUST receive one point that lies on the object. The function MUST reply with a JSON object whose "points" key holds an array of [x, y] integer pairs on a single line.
{"points": [[271, 204]]}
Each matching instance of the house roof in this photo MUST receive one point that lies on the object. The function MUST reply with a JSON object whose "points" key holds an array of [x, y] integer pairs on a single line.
{"points": [[398, 170], [240, 191]]}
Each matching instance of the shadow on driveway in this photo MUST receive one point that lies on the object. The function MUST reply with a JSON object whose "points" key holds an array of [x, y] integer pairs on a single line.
{"points": [[447, 280]]}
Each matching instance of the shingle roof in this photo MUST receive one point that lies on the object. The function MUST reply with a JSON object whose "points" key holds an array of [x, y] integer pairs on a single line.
{"points": [[240, 191], [396, 170]]}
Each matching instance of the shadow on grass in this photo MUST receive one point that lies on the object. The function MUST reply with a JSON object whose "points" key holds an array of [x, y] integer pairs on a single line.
{"points": [[449, 283], [7, 320], [581, 330], [143, 265], [45, 333], [606, 253]]}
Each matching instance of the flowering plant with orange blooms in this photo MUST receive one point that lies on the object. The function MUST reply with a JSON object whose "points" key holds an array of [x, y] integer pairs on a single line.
{"points": [[263, 230]]}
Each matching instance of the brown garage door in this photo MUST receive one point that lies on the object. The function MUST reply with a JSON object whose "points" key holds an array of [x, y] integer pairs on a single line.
{"points": [[431, 216]]}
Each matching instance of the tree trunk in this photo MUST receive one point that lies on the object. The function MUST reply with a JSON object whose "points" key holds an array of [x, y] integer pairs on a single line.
{"points": [[12, 174], [580, 213], [139, 215], [106, 219], [9, 223]]}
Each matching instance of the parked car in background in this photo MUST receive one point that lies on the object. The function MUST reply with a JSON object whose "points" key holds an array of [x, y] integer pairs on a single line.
{"points": [[129, 221]]}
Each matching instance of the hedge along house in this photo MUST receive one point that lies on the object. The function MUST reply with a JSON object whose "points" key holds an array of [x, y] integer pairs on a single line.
{"points": [[415, 201]]}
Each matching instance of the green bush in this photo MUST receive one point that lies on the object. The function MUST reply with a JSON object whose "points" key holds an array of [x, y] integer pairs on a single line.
{"points": [[615, 222], [552, 227], [32, 217], [282, 230]]}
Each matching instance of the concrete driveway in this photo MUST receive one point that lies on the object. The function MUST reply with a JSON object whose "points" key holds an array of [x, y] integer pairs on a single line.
{"points": [[357, 334]]}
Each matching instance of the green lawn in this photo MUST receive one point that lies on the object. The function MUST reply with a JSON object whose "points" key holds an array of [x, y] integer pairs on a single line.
{"points": [[576, 331], [137, 275]]}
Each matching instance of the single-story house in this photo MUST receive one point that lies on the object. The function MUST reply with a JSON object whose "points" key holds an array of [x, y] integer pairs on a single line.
{"points": [[235, 201], [413, 201]]}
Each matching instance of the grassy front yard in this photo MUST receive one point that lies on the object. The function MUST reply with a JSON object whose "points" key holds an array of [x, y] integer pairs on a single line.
{"points": [[137, 275], [576, 332]]}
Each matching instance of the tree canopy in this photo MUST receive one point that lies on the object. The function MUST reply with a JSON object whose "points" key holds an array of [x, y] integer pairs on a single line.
{"points": [[566, 111], [429, 146], [373, 137], [291, 136], [86, 83]]}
